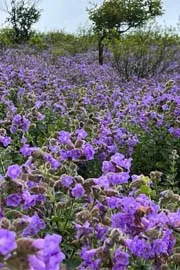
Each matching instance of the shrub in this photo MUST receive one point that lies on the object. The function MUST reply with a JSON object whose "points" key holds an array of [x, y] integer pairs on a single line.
{"points": [[145, 53], [37, 40], [153, 152], [6, 37]]}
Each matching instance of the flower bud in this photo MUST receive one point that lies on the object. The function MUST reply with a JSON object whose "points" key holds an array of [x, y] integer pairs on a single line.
{"points": [[19, 225], [106, 221], [38, 190], [153, 234], [112, 192], [83, 216], [36, 178], [61, 205], [137, 183], [79, 143], [38, 154], [176, 198], [2, 132], [25, 247], [155, 175], [4, 223], [14, 214], [115, 236], [79, 179], [168, 194]]}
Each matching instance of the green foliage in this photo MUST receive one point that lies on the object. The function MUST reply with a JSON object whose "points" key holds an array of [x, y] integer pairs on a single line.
{"points": [[58, 37], [62, 43], [145, 52], [6, 37], [22, 15], [115, 17], [37, 40], [122, 15], [153, 152], [172, 176], [90, 168]]}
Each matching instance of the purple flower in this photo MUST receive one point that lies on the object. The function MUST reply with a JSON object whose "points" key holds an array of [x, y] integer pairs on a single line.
{"points": [[175, 132], [83, 230], [64, 154], [88, 151], [23, 140], [102, 181], [31, 200], [107, 167], [113, 202], [7, 241], [78, 191], [26, 150], [49, 255], [40, 116], [75, 153], [38, 104], [165, 107], [81, 134], [88, 255], [1, 178], [36, 224], [101, 232], [55, 164], [5, 140], [14, 200], [170, 240], [89, 260], [118, 178], [126, 163], [25, 124], [140, 247], [117, 158], [120, 260], [123, 221], [160, 247], [64, 137], [17, 119], [14, 171], [66, 180], [20, 122]]}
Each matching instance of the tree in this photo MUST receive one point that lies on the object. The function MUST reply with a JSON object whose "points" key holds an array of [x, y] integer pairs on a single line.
{"points": [[115, 17], [22, 14]]}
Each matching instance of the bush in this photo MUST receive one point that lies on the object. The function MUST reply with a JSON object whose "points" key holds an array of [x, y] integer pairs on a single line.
{"points": [[153, 153], [37, 40], [145, 53], [63, 43], [6, 37], [58, 37]]}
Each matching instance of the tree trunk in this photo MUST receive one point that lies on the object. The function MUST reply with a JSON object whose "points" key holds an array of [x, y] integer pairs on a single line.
{"points": [[101, 51]]}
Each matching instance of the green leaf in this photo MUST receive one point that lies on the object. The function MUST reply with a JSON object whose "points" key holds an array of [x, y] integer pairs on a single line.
{"points": [[56, 219], [145, 190]]}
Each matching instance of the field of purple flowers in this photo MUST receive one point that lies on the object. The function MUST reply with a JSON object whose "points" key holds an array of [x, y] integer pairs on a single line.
{"points": [[89, 165]]}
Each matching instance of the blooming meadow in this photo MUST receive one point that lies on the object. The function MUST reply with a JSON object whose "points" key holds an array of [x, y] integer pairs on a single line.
{"points": [[89, 165]]}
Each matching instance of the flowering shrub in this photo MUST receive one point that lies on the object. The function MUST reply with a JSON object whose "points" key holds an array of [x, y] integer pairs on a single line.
{"points": [[74, 192]]}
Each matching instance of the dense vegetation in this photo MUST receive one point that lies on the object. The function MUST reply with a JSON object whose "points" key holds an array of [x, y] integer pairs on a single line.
{"points": [[89, 153]]}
